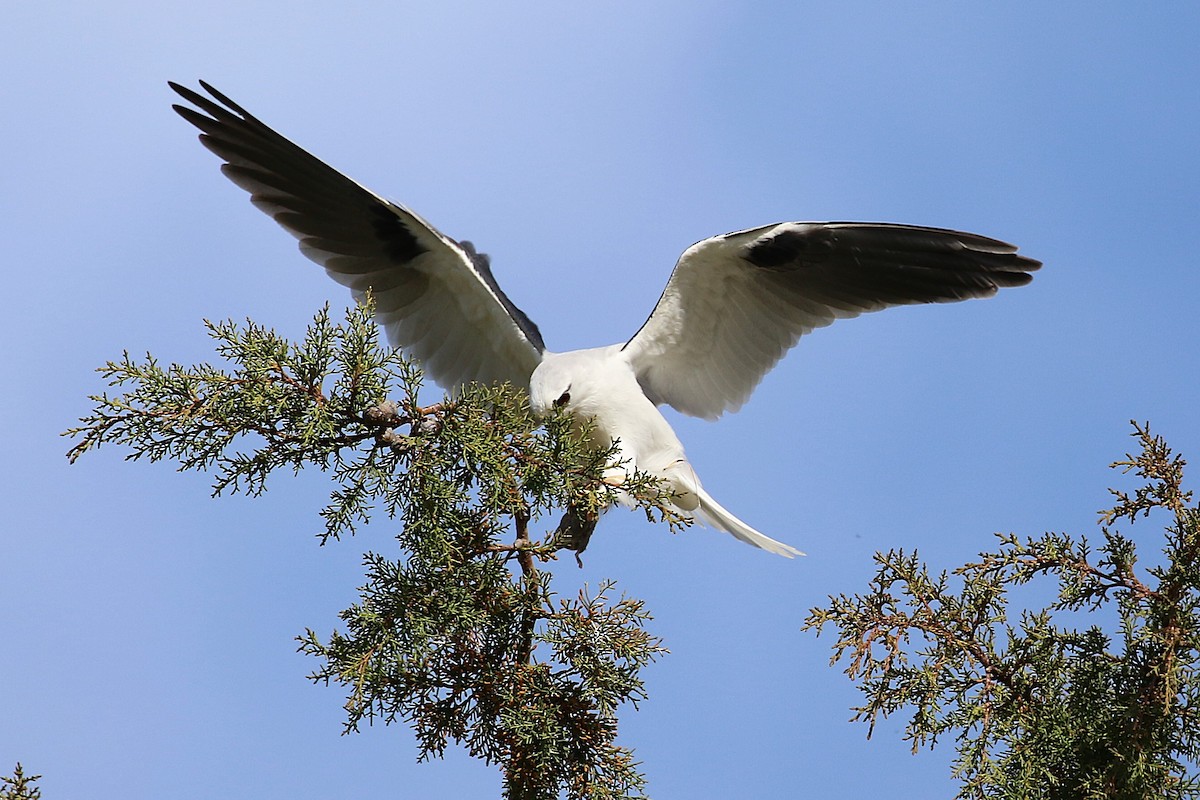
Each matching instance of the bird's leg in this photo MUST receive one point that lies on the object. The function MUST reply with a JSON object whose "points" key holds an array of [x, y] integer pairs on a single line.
{"points": [[575, 531]]}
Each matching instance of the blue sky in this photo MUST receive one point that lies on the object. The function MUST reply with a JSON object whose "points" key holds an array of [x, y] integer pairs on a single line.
{"points": [[149, 630]]}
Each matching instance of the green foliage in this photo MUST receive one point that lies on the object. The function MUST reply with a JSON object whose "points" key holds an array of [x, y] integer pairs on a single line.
{"points": [[20, 786], [458, 632], [1040, 710]]}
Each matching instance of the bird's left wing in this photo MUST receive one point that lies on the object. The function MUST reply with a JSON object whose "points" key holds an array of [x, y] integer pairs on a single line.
{"points": [[736, 303], [435, 297]]}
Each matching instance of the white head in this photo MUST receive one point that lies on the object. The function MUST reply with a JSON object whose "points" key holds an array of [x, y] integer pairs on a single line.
{"points": [[550, 385]]}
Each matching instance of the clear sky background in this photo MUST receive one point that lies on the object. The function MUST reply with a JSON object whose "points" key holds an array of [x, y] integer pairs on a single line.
{"points": [[148, 630]]}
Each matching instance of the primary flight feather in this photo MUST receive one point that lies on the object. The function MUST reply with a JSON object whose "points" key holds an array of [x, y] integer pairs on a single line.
{"points": [[733, 305]]}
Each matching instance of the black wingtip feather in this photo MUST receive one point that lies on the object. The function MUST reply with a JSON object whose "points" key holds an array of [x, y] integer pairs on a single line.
{"points": [[232, 106], [191, 95], [873, 263]]}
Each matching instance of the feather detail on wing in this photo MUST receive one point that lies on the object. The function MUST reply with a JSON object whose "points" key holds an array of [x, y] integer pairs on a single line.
{"points": [[735, 304], [435, 297]]}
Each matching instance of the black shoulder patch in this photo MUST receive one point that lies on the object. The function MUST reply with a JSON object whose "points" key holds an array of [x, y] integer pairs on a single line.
{"points": [[483, 268], [788, 249]]}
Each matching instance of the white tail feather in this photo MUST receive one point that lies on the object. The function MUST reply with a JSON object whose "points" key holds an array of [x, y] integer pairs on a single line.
{"points": [[714, 514]]}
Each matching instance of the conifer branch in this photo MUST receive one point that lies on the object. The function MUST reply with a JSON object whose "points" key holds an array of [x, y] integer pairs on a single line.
{"points": [[458, 632], [1040, 710]]}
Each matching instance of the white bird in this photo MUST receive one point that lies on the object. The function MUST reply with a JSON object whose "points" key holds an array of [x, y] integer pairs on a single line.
{"points": [[733, 305]]}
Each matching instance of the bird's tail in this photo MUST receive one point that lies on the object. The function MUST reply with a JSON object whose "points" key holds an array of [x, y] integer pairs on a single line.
{"points": [[714, 514]]}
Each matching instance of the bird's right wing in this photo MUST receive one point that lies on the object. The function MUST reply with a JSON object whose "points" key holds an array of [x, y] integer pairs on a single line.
{"points": [[435, 297]]}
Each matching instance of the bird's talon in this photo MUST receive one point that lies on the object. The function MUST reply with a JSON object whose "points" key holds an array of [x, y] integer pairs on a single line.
{"points": [[614, 476]]}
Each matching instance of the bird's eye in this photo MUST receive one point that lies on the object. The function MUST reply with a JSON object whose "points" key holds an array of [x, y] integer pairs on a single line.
{"points": [[562, 400]]}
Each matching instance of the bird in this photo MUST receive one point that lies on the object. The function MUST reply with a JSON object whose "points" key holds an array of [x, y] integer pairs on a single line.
{"points": [[733, 305]]}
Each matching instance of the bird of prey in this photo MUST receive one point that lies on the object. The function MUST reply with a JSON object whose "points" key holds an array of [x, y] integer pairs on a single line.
{"points": [[733, 306]]}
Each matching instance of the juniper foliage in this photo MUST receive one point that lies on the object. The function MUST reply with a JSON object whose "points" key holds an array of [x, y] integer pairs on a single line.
{"points": [[1039, 709], [19, 786], [458, 631]]}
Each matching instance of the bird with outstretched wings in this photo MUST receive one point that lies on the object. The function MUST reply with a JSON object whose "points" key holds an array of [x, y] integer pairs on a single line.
{"points": [[733, 306]]}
